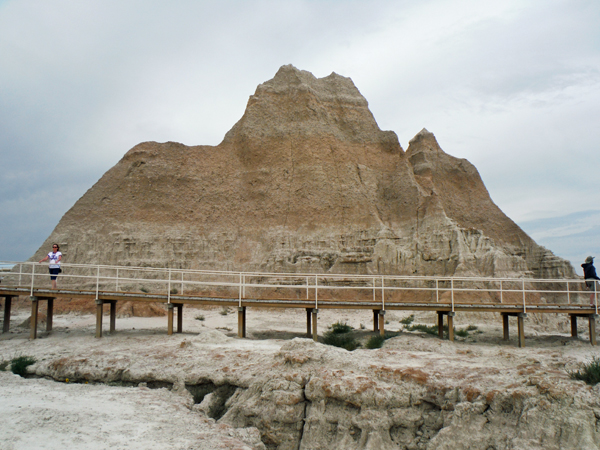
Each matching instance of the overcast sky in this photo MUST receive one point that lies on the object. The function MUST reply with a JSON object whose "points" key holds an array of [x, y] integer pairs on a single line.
{"points": [[511, 85]]}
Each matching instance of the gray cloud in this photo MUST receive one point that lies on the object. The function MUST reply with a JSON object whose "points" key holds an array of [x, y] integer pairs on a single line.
{"points": [[512, 86]]}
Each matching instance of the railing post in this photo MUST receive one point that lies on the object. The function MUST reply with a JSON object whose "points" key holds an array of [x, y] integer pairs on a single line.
{"points": [[240, 290], [182, 282], [169, 288], [382, 294], [501, 291], [117, 287], [452, 292], [437, 291], [523, 289], [32, 277], [20, 271], [97, 281], [316, 292], [374, 289], [306, 288], [568, 294]]}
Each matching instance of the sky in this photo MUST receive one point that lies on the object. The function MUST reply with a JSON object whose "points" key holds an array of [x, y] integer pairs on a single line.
{"points": [[513, 86]]}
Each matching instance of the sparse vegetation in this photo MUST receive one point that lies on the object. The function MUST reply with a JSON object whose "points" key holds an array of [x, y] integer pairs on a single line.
{"points": [[200, 317], [339, 328], [589, 372], [19, 364], [144, 289], [376, 341], [224, 311], [433, 329], [4, 365], [408, 320], [174, 291], [340, 335]]}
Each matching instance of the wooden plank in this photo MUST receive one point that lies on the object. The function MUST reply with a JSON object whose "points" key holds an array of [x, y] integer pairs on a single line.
{"points": [[99, 308], [451, 327], [49, 314], [592, 320], [170, 319], [573, 325], [179, 317], [505, 327], [34, 318], [7, 307], [382, 323], [521, 326], [440, 324], [375, 320], [113, 316], [241, 321]]}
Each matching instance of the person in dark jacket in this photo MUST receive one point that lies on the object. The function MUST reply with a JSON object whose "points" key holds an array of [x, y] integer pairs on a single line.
{"points": [[589, 273]]}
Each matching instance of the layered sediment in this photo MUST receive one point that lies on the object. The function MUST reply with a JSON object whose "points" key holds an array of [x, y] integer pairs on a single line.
{"points": [[304, 182]]}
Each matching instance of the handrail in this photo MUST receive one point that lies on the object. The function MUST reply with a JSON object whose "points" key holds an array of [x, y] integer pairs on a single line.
{"points": [[126, 278]]}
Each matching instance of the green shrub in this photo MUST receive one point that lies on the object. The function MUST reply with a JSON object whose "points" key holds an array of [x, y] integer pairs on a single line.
{"points": [[224, 311], [589, 372], [429, 329], [462, 332], [200, 317], [4, 365], [375, 341], [19, 364], [342, 340], [144, 289], [340, 328], [174, 291], [408, 320]]}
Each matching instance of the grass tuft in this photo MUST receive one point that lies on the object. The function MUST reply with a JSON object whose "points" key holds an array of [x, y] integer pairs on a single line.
{"points": [[20, 364], [408, 320], [589, 372], [377, 340], [340, 328], [200, 317], [342, 340]]}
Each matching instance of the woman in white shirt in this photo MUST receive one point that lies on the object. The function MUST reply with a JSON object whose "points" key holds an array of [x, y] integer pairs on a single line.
{"points": [[54, 266]]}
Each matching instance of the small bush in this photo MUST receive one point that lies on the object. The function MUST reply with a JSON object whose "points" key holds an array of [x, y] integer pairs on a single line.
{"points": [[144, 289], [4, 365], [408, 320], [174, 291], [200, 317], [224, 311], [462, 332], [340, 328], [375, 341], [589, 372], [342, 340], [429, 329], [20, 364]]}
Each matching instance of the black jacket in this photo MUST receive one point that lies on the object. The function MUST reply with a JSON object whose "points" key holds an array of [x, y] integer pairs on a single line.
{"points": [[589, 271]]}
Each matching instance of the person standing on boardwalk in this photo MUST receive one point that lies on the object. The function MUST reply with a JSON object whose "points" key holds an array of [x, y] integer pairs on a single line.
{"points": [[589, 273], [55, 256]]}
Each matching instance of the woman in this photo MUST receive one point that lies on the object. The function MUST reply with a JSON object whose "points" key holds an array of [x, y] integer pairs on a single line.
{"points": [[54, 257], [589, 274]]}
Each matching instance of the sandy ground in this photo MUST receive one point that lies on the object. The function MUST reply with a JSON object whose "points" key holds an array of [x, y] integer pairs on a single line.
{"points": [[45, 414]]}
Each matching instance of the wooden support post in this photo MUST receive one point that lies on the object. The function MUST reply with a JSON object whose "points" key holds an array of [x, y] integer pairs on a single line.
{"points": [[180, 317], [34, 317], [169, 319], [451, 326], [375, 320], [308, 322], [592, 319], [440, 325], [573, 325], [7, 305], [382, 322], [113, 316], [99, 307], [49, 314], [505, 326], [521, 326], [242, 321], [315, 335]]}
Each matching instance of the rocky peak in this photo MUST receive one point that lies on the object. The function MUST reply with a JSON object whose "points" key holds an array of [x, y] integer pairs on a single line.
{"points": [[305, 181]]}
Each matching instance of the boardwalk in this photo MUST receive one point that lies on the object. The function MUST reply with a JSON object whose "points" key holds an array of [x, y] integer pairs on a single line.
{"points": [[446, 296]]}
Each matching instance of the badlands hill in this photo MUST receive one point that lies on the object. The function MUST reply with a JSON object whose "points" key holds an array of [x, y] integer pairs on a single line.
{"points": [[304, 182]]}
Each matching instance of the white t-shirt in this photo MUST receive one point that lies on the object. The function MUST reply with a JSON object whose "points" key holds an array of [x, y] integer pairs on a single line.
{"points": [[53, 258]]}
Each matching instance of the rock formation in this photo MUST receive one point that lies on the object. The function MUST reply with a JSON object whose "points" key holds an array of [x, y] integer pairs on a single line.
{"points": [[304, 182]]}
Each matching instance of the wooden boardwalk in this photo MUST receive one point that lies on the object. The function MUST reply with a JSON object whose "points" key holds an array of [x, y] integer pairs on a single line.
{"points": [[174, 302]]}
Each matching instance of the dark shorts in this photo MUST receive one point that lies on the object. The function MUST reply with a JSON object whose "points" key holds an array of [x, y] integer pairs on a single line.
{"points": [[53, 273], [591, 285]]}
